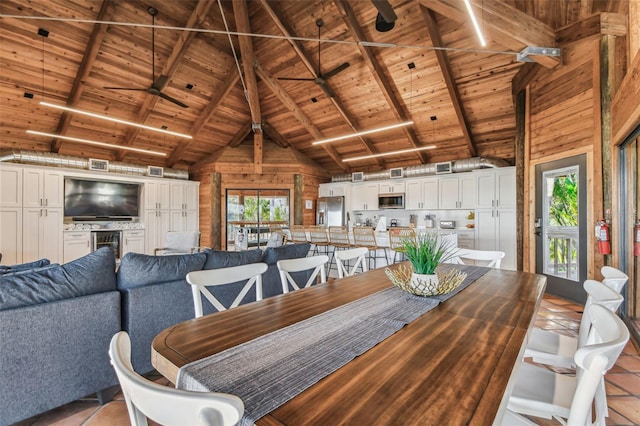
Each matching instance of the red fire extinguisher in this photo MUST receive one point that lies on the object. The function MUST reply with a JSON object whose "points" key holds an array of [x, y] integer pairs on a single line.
{"points": [[603, 236], [636, 240]]}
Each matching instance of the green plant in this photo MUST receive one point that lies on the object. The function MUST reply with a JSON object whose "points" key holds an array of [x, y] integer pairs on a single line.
{"points": [[428, 251]]}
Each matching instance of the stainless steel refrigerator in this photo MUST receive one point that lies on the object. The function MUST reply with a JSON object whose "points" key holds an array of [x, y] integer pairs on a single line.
{"points": [[330, 211]]}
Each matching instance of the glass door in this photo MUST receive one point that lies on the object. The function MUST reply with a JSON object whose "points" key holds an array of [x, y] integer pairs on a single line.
{"points": [[252, 214], [561, 243]]}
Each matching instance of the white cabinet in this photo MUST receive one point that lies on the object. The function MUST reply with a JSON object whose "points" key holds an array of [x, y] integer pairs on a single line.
{"points": [[337, 189], [42, 188], [157, 195], [10, 187], [422, 194], [365, 196], [11, 235], [42, 234], [132, 241], [457, 192], [75, 245], [156, 223], [391, 187], [496, 230], [496, 188], [184, 196], [183, 220]]}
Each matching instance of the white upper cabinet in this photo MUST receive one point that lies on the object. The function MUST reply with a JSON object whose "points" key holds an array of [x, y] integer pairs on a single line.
{"points": [[10, 187], [42, 188], [365, 196], [391, 187], [184, 196], [157, 195], [422, 194], [337, 189], [496, 188], [457, 192]]}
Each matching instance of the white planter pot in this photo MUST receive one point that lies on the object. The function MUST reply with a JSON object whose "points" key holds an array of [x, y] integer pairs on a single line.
{"points": [[421, 280]]}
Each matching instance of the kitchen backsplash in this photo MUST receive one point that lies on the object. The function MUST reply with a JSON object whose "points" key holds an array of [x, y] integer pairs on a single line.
{"points": [[403, 217]]}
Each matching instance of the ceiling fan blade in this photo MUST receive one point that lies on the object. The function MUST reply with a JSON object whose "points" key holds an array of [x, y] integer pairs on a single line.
{"points": [[170, 99], [336, 70], [327, 89], [161, 82], [125, 88], [296, 79]]}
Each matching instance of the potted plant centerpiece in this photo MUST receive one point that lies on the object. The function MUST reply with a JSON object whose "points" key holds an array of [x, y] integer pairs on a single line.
{"points": [[425, 253]]}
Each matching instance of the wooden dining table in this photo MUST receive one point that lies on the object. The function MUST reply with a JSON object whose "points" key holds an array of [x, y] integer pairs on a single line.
{"points": [[453, 365]]}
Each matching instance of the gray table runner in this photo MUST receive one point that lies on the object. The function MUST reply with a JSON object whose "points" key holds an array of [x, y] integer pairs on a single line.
{"points": [[268, 371]]}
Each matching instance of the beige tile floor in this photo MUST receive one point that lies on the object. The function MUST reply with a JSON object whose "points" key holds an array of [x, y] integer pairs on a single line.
{"points": [[623, 382]]}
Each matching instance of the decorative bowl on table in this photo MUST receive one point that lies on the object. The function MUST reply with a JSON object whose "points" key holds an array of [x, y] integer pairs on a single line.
{"points": [[447, 281]]}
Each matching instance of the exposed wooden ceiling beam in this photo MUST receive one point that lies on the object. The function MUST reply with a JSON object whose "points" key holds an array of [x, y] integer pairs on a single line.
{"points": [[90, 55], [506, 25], [242, 134], [379, 74], [443, 61], [287, 31], [241, 14], [204, 117], [593, 27], [274, 135], [195, 20], [297, 112]]}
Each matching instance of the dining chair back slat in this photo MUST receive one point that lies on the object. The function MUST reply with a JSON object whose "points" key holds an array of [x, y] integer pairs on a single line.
{"points": [[315, 264], [342, 256]]}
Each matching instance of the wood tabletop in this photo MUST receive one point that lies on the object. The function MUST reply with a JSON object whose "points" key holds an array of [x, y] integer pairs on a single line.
{"points": [[450, 366]]}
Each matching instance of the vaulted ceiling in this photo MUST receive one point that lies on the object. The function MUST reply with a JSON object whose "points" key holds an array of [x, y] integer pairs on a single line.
{"points": [[430, 68]]}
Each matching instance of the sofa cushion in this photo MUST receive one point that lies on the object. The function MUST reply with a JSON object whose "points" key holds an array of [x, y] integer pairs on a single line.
{"points": [[93, 273], [225, 259], [24, 266], [138, 270], [289, 251]]}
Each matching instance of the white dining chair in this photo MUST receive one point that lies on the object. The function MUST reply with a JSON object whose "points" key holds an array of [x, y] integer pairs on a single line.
{"points": [[488, 258], [541, 392], [547, 347], [614, 278], [343, 256], [166, 405], [316, 264], [200, 280]]}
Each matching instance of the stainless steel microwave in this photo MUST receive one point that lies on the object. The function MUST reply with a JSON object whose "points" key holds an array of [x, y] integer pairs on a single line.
{"points": [[391, 201]]}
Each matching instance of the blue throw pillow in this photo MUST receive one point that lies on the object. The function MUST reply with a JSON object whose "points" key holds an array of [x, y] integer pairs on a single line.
{"points": [[224, 259], [138, 269], [93, 273], [24, 266]]}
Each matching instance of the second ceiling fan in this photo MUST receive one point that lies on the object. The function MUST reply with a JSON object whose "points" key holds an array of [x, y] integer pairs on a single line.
{"points": [[159, 84], [321, 79]]}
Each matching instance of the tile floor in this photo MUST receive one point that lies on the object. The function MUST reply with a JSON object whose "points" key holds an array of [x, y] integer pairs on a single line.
{"points": [[623, 382]]}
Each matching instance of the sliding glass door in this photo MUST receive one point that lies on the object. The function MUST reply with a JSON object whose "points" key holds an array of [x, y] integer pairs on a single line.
{"points": [[252, 214]]}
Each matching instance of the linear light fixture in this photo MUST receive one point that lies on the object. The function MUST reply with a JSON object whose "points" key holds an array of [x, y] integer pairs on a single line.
{"points": [[364, 132], [402, 151], [483, 43], [115, 120], [90, 142]]}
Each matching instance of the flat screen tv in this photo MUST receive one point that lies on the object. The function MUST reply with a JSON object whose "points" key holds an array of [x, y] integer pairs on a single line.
{"points": [[91, 199]]}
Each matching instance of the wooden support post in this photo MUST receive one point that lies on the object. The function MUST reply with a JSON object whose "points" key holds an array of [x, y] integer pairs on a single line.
{"points": [[520, 109], [298, 199], [217, 220]]}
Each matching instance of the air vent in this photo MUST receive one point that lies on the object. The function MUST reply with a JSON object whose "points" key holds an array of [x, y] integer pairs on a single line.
{"points": [[443, 168], [395, 173], [357, 177], [100, 165], [155, 171]]}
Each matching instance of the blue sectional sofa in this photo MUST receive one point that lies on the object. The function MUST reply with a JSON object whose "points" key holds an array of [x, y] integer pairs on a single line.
{"points": [[56, 321]]}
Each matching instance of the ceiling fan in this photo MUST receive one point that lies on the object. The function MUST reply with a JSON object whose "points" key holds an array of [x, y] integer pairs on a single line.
{"points": [[321, 79], [159, 84]]}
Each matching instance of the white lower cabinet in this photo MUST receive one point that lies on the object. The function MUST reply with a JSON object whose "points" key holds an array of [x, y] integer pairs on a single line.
{"points": [[11, 235], [132, 241], [157, 224], [496, 230], [42, 234], [75, 245]]}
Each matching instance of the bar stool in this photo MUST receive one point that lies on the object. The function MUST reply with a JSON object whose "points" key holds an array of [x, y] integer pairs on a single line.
{"points": [[339, 239], [298, 234], [319, 238], [397, 237], [364, 236]]}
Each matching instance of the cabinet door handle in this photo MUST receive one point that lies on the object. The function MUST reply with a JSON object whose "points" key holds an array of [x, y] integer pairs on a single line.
{"points": [[46, 213], [41, 202], [46, 202], [497, 203]]}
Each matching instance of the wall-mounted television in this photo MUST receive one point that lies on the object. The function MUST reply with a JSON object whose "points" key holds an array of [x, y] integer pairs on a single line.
{"points": [[97, 199]]}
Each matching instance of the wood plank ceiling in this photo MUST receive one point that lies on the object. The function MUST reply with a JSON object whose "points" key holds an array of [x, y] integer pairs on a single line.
{"points": [[433, 72]]}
